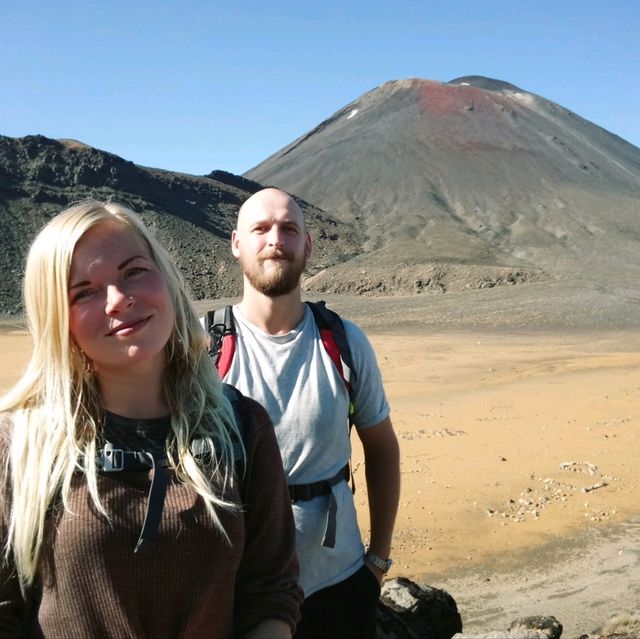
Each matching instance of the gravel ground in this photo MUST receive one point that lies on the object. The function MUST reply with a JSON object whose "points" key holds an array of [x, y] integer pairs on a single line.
{"points": [[582, 582]]}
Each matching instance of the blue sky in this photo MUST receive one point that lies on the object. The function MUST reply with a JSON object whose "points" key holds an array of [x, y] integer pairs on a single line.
{"points": [[200, 85]]}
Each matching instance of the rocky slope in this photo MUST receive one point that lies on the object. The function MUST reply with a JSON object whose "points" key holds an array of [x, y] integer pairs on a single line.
{"points": [[192, 216], [425, 187]]}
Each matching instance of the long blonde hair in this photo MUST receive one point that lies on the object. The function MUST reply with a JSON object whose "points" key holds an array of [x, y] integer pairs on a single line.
{"points": [[56, 407]]}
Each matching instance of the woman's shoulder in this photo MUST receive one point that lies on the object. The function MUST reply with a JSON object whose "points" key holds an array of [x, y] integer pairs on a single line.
{"points": [[254, 413], [250, 414]]}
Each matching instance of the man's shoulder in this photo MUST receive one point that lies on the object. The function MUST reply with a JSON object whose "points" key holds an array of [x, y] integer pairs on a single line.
{"points": [[355, 334], [325, 314]]}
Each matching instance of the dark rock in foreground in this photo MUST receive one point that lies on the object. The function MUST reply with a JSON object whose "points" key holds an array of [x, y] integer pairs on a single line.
{"points": [[407, 611]]}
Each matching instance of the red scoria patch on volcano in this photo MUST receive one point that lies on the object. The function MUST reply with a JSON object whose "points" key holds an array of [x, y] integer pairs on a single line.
{"points": [[446, 99]]}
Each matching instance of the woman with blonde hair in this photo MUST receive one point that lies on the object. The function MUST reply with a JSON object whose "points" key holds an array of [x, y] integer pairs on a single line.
{"points": [[138, 500]]}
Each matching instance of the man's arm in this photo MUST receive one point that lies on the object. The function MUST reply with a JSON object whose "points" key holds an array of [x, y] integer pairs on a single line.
{"points": [[382, 470]]}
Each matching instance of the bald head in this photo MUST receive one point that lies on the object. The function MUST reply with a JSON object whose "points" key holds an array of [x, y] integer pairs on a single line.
{"points": [[272, 243], [269, 202]]}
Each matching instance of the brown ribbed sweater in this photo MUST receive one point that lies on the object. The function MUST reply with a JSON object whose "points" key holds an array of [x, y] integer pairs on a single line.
{"points": [[191, 585]]}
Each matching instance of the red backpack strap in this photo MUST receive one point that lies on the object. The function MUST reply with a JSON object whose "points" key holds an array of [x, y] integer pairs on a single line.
{"points": [[226, 355], [221, 328], [329, 343], [334, 340]]}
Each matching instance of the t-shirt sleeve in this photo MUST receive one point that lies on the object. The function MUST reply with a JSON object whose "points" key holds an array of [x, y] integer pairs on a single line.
{"points": [[371, 406], [267, 580]]}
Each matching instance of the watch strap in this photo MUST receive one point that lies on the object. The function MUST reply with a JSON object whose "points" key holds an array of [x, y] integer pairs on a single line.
{"points": [[374, 560]]}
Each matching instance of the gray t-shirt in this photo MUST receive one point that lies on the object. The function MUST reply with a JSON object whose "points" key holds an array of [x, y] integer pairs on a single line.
{"points": [[294, 378]]}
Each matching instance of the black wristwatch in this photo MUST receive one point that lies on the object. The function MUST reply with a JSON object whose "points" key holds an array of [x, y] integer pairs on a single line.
{"points": [[374, 560]]}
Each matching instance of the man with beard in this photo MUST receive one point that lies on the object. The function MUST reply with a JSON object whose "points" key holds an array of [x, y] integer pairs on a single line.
{"points": [[280, 361]]}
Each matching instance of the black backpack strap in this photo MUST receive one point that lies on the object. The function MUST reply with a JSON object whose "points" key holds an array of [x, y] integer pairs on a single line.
{"points": [[235, 397], [115, 460], [200, 448], [155, 505], [334, 339]]}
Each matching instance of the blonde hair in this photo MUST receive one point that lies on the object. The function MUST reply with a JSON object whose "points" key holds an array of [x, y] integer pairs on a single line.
{"points": [[56, 407]]}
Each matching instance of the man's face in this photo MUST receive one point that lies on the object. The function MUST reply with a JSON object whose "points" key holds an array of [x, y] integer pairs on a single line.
{"points": [[271, 243]]}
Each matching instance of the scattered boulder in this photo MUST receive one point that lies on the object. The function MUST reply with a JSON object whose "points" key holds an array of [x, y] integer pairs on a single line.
{"points": [[516, 633], [548, 627], [622, 626], [535, 627], [408, 611]]}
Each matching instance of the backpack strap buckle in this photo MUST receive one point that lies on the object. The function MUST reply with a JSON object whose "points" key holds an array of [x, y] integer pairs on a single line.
{"points": [[111, 460]]}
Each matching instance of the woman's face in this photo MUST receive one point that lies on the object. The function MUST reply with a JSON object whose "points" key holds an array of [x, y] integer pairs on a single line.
{"points": [[120, 310]]}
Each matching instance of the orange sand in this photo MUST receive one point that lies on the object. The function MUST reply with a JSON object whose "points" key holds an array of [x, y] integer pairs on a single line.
{"points": [[485, 423]]}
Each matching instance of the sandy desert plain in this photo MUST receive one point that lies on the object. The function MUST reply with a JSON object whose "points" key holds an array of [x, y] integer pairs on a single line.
{"points": [[520, 451]]}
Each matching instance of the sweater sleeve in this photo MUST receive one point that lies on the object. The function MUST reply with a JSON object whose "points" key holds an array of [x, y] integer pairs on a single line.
{"points": [[267, 581], [12, 604]]}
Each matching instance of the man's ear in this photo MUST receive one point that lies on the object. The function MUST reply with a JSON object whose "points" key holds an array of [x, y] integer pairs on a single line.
{"points": [[234, 243], [308, 245]]}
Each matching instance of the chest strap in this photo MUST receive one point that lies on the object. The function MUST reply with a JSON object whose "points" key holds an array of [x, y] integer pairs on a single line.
{"points": [[113, 460], [307, 492]]}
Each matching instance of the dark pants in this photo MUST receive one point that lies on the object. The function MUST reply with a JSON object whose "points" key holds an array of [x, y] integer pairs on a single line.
{"points": [[346, 610]]}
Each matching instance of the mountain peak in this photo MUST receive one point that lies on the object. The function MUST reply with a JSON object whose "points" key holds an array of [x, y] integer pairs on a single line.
{"points": [[475, 81], [72, 144], [481, 82], [473, 171]]}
